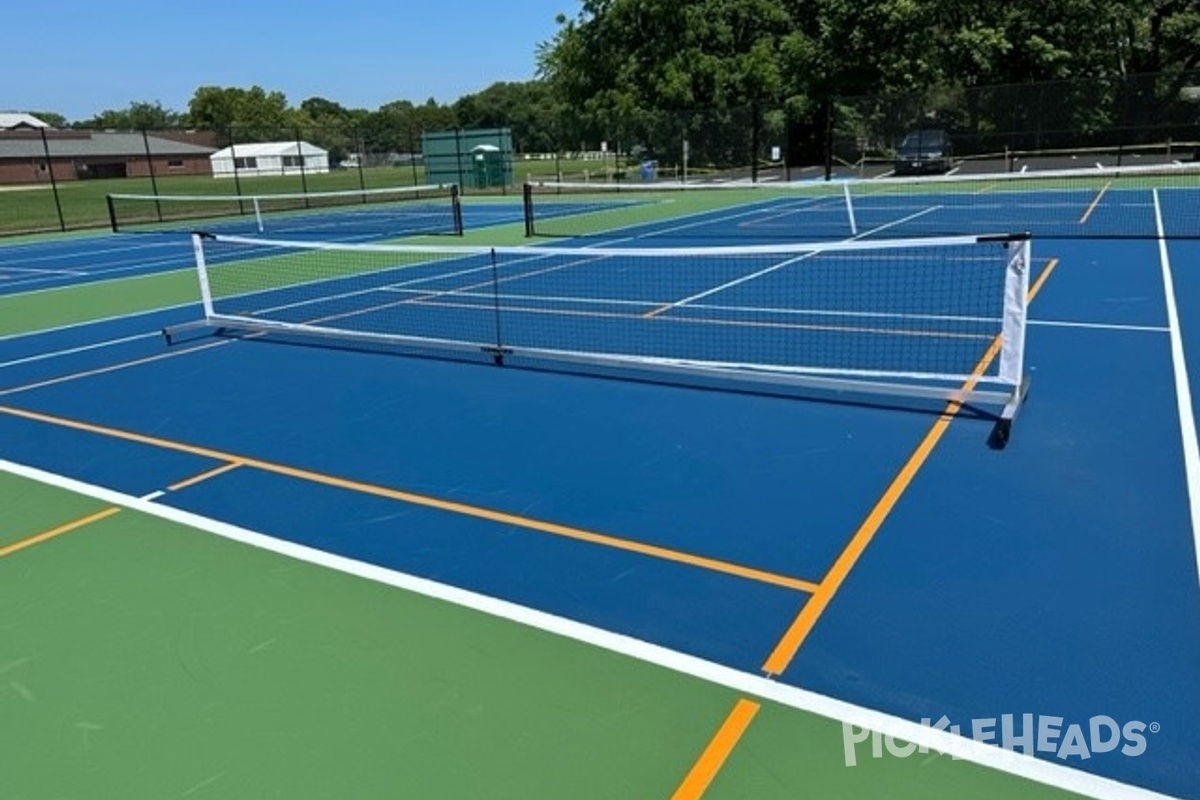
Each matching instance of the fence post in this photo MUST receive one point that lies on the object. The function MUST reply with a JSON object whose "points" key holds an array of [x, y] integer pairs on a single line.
{"points": [[828, 133], [458, 156], [412, 156], [62, 223], [153, 179], [303, 170], [787, 147], [361, 151], [755, 136], [237, 180]]}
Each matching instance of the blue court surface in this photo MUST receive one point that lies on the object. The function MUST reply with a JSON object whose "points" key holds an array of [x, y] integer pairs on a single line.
{"points": [[874, 552], [28, 266]]}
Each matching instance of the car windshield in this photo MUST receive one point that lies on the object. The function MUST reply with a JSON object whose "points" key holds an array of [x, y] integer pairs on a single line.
{"points": [[923, 140]]}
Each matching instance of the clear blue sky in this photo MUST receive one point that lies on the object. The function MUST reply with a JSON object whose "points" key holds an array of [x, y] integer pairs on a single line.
{"points": [[80, 57]]}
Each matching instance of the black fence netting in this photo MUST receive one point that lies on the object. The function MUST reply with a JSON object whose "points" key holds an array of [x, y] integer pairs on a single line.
{"points": [[1110, 121]]}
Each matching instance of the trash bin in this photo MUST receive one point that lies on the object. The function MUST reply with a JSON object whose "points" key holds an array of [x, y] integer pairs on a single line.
{"points": [[649, 170]]}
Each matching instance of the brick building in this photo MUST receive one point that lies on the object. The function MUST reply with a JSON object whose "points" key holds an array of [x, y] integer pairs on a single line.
{"points": [[78, 155]]}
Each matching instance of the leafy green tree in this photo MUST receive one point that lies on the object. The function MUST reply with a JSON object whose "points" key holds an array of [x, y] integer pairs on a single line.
{"points": [[392, 128], [136, 116], [51, 118], [527, 108], [622, 63], [328, 125], [243, 115], [214, 108]]}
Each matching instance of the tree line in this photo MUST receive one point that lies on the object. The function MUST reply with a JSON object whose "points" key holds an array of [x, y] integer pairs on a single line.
{"points": [[644, 53], [255, 114], [719, 71]]}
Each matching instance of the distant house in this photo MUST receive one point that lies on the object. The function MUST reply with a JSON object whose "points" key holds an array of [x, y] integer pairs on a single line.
{"points": [[269, 158], [18, 121], [78, 155]]}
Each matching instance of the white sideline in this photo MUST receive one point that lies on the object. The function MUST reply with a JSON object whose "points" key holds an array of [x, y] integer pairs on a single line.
{"points": [[83, 323], [81, 349], [1183, 389], [1025, 766]]}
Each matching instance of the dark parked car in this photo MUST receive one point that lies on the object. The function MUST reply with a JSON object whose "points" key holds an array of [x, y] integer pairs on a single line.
{"points": [[923, 152]]}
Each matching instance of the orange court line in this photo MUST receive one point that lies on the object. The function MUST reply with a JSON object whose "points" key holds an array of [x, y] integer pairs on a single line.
{"points": [[785, 650], [111, 368], [556, 529], [1041, 279], [717, 751], [1095, 202], [206, 475], [67, 527]]}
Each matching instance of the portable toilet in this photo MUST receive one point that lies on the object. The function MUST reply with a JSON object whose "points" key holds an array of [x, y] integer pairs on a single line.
{"points": [[488, 160]]}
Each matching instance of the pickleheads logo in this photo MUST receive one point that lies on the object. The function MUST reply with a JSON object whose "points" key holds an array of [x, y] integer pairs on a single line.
{"points": [[1028, 733]]}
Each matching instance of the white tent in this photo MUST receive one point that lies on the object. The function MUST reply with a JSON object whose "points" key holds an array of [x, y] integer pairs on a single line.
{"points": [[15, 120], [269, 158]]}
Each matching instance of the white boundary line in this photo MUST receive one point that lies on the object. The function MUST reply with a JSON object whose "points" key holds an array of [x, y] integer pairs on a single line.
{"points": [[734, 282], [187, 266], [74, 376], [725, 217], [1183, 389], [73, 350], [1100, 326], [986, 755], [94, 250], [816, 252], [40, 272], [101, 321], [102, 273]]}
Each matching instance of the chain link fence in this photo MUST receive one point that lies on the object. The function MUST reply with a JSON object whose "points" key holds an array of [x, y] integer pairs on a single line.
{"points": [[52, 180]]}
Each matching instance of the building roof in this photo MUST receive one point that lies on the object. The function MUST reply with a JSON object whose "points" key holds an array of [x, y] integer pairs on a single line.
{"points": [[256, 149], [17, 119], [96, 145]]}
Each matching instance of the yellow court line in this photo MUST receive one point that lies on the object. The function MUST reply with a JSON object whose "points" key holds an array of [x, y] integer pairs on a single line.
{"points": [[505, 518], [1095, 202], [1041, 279], [785, 650], [718, 749], [67, 527], [206, 475], [111, 368]]}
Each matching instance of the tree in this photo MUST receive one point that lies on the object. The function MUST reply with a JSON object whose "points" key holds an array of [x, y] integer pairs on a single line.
{"points": [[527, 108], [136, 116], [328, 125], [51, 118], [623, 64], [654, 73], [243, 115]]}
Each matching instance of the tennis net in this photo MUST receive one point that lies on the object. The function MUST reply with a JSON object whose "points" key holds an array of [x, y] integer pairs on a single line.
{"points": [[926, 318], [359, 213], [1101, 202]]}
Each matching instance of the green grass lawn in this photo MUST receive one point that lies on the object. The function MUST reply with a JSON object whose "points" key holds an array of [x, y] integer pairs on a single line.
{"points": [[34, 208], [31, 209]]}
